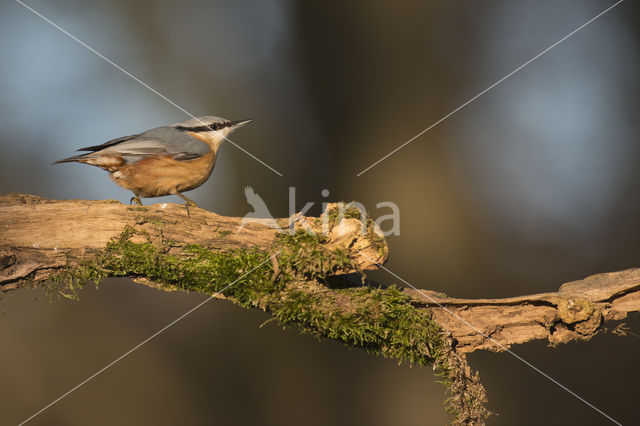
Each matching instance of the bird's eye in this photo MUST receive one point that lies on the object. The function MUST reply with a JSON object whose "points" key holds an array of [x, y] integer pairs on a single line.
{"points": [[214, 126]]}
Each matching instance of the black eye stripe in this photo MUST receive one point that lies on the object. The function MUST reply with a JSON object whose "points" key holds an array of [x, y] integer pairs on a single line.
{"points": [[213, 126]]}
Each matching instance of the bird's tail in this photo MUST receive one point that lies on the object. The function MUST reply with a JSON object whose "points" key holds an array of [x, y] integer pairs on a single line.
{"points": [[70, 159]]}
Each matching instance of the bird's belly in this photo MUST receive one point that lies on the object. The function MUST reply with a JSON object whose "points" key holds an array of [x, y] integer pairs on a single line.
{"points": [[162, 175]]}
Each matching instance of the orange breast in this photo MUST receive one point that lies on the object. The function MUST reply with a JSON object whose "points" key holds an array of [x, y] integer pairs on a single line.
{"points": [[162, 175]]}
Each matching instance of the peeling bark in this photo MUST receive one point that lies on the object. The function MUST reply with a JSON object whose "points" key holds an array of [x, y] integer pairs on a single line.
{"points": [[578, 310]]}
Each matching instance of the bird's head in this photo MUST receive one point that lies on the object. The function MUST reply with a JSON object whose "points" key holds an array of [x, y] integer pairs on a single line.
{"points": [[214, 129]]}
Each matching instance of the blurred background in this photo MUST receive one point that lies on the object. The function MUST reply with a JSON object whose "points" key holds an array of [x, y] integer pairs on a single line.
{"points": [[533, 184]]}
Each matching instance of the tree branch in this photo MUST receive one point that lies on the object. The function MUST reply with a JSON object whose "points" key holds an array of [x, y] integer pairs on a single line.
{"points": [[578, 310], [38, 236], [305, 271]]}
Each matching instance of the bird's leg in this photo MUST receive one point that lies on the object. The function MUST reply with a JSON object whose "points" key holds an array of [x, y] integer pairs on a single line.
{"points": [[187, 199], [188, 202], [136, 199]]}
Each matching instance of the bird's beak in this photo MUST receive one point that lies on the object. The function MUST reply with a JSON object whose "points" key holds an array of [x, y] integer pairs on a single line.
{"points": [[240, 123]]}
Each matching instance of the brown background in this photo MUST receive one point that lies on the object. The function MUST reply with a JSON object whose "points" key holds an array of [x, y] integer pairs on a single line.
{"points": [[532, 185]]}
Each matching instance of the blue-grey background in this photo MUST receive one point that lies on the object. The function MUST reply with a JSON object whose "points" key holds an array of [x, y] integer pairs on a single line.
{"points": [[532, 185]]}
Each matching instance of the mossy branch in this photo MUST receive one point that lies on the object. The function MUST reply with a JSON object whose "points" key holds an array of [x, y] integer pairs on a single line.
{"points": [[301, 270]]}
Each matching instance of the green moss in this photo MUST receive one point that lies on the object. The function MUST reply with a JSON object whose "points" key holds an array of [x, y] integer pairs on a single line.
{"points": [[304, 254], [142, 219], [347, 211], [380, 321], [293, 288]]}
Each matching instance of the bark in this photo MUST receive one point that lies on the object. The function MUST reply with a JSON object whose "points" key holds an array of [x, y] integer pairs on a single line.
{"points": [[39, 236], [578, 310]]}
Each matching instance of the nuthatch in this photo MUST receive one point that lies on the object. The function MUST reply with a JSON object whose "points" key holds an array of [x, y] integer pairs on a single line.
{"points": [[162, 161]]}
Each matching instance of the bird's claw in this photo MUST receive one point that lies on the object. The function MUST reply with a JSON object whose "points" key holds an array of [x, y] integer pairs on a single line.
{"points": [[186, 205], [187, 202]]}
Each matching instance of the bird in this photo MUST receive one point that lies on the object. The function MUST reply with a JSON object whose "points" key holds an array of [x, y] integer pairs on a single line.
{"points": [[166, 160]]}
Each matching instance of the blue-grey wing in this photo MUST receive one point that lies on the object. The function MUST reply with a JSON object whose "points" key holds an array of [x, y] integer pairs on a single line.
{"points": [[108, 143], [160, 141]]}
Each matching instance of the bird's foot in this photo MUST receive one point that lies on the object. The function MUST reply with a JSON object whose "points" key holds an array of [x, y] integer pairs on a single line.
{"points": [[135, 199], [187, 202]]}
